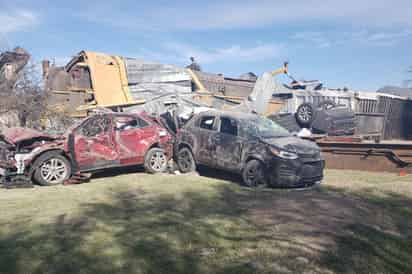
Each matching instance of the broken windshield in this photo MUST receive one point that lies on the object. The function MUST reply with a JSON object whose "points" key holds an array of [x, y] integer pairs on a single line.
{"points": [[265, 128]]}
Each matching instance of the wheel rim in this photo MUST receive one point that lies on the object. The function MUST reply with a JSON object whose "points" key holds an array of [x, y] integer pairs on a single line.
{"points": [[185, 160], [305, 113], [253, 176], [54, 171], [158, 161]]}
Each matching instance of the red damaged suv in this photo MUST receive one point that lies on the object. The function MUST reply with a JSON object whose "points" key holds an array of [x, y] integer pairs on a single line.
{"points": [[98, 142]]}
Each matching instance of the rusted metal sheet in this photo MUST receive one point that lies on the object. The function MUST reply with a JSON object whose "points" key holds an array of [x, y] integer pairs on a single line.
{"points": [[382, 157]]}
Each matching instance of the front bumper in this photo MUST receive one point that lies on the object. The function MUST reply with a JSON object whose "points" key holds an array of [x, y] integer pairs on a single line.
{"points": [[294, 173]]}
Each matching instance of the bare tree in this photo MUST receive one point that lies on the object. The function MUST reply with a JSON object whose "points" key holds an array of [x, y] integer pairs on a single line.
{"points": [[24, 97]]}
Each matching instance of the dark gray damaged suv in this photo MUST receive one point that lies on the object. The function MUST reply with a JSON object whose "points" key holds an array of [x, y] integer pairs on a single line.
{"points": [[256, 147]]}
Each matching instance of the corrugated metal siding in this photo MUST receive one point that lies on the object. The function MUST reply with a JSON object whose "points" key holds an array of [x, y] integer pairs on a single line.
{"points": [[149, 91], [397, 118], [226, 86], [394, 115], [148, 80], [140, 71]]}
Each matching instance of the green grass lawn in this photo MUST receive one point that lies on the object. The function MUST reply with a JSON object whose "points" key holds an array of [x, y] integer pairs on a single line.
{"points": [[355, 222]]}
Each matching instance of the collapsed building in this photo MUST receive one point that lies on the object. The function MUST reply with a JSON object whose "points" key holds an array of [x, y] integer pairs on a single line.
{"points": [[91, 80]]}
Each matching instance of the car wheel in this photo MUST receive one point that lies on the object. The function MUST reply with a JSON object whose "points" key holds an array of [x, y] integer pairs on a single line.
{"points": [[253, 173], [185, 160], [305, 114], [155, 161], [51, 169]]}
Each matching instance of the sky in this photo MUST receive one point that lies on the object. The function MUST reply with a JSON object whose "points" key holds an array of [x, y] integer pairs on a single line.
{"points": [[359, 44]]}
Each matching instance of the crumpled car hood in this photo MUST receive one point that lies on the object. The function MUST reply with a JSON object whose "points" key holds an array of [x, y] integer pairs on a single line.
{"points": [[293, 144], [16, 135]]}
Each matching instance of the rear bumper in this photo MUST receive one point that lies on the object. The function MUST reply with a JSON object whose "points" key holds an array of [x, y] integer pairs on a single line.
{"points": [[295, 173]]}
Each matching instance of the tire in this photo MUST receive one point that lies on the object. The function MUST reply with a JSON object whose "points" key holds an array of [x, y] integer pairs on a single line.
{"points": [[252, 174], [51, 168], [155, 161], [185, 160], [305, 114], [327, 104]]}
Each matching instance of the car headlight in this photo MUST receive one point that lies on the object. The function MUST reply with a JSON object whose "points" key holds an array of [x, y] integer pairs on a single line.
{"points": [[284, 154]]}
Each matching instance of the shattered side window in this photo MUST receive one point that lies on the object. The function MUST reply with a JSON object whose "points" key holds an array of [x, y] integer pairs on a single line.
{"points": [[207, 122], [129, 122], [95, 126], [228, 126], [142, 123]]}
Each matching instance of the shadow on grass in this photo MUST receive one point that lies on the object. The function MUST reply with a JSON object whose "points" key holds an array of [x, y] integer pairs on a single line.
{"points": [[116, 171], [232, 231], [219, 174]]}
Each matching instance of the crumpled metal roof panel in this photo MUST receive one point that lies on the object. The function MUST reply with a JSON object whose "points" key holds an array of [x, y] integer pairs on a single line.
{"points": [[140, 71]]}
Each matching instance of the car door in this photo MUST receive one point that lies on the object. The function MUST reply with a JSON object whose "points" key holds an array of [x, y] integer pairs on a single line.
{"points": [[228, 144], [131, 136], [205, 132], [93, 143]]}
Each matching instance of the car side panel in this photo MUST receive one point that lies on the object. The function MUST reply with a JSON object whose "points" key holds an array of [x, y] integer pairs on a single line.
{"points": [[229, 152], [200, 141], [95, 152], [133, 144]]}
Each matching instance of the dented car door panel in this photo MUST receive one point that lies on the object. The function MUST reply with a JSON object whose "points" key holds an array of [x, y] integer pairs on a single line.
{"points": [[134, 136], [93, 144], [128, 136], [228, 145], [127, 146], [205, 141]]}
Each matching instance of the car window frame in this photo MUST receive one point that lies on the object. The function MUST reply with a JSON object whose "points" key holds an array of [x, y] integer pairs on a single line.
{"points": [[137, 118], [199, 121], [80, 128], [231, 118]]}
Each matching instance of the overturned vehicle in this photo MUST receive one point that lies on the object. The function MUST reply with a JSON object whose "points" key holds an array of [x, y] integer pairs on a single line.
{"points": [[255, 147], [97, 142]]}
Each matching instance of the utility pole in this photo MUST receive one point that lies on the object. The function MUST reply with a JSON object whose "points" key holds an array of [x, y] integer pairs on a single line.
{"points": [[408, 82]]}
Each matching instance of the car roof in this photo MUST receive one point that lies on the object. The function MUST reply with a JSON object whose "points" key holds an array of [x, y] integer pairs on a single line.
{"points": [[232, 114]]}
